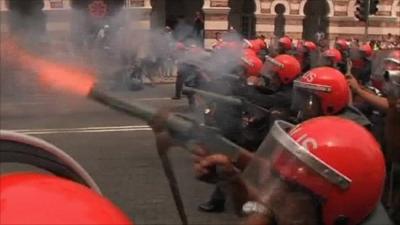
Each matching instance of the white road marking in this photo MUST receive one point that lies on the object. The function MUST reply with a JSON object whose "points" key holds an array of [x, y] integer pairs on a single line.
{"points": [[153, 99], [43, 102], [85, 130]]}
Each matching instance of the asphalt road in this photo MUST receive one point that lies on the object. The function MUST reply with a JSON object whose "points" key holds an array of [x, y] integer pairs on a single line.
{"points": [[117, 150]]}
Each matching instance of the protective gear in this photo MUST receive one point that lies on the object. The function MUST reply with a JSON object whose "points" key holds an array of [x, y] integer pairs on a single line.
{"points": [[249, 52], [33, 198], [393, 57], [392, 76], [384, 81], [286, 67], [254, 45], [310, 46], [70, 196], [285, 42], [247, 43], [322, 90], [261, 43], [341, 44], [257, 45], [366, 50], [346, 178], [253, 65], [333, 54], [391, 84]]}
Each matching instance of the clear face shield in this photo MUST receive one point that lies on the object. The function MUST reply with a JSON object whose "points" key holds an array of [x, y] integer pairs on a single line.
{"points": [[269, 78], [275, 173], [327, 61], [391, 78], [305, 101]]}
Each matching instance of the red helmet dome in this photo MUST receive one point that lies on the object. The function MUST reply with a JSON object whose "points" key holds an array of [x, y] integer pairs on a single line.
{"points": [[249, 52], [253, 64], [286, 66], [343, 165], [285, 42], [33, 198], [258, 44], [261, 43], [341, 44], [334, 54], [310, 46], [329, 85], [366, 49]]}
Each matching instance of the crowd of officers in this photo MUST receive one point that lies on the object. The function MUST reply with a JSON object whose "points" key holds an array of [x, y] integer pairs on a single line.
{"points": [[319, 90], [319, 135]]}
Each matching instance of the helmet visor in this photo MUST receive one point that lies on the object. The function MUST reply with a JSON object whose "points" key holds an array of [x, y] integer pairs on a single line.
{"points": [[280, 156], [306, 103]]}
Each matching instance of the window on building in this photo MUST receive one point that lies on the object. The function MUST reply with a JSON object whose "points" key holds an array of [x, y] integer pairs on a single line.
{"points": [[56, 4]]}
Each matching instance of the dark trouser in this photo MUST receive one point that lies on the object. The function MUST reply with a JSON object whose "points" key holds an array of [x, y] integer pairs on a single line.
{"points": [[180, 78], [392, 191], [218, 194], [191, 99]]}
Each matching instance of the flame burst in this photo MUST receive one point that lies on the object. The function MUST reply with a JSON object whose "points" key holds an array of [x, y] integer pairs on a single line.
{"points": [[57, 75]]}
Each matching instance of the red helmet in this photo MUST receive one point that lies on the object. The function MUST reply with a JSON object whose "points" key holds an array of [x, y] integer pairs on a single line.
{"points": [[310, 46], [286, 66], [249, 52], [62, 198], [366, 49], [342, 165], [328, 85], [253, 64], [33, 198], [342, 44], [393, 57], [333, 54], [285, 42], [261, 43], [256, 45]]}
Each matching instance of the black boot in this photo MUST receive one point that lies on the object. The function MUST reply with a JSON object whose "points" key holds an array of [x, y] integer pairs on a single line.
{"points": [[213, 205], [216, 203]]}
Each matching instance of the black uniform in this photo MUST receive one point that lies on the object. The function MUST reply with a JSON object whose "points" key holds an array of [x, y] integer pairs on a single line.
{"points": [[365, 73], [279, 99]]}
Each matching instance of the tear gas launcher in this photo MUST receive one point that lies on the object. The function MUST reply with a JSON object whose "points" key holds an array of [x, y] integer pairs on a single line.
{"points": [[180, 127], [228, 100]]}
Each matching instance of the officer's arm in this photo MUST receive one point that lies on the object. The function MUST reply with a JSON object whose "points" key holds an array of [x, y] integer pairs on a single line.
{"points": [[379, 102]]}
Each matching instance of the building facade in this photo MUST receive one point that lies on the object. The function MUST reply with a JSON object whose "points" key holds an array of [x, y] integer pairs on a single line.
{"points": [[296, 18]]}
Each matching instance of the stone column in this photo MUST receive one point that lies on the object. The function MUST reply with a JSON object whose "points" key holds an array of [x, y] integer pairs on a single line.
{"points": [[157, 14], [216, 19], [138, 13], [3, 17]]}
